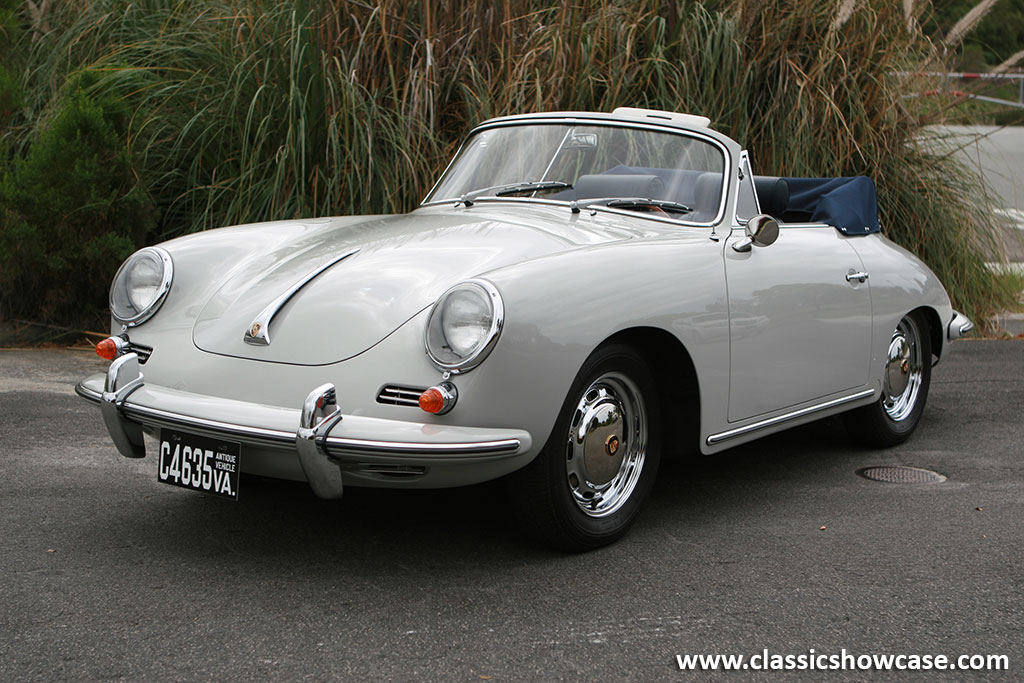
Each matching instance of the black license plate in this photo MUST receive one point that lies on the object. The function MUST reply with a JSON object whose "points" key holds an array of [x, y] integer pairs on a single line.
{"points": [[199, 463]]}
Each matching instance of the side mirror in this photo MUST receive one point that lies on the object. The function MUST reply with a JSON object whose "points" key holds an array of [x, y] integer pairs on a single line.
{"points": [[762, 231]]}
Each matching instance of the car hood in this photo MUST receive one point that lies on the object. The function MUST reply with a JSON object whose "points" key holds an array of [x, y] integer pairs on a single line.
{"points": [[399, 266]]}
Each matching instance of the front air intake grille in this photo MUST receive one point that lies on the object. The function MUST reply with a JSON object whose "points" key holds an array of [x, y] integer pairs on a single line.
{"points": [[391, 471], [396, 395]]}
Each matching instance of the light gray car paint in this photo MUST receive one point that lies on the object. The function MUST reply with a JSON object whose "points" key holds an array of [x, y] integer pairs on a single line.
{"points": [[402, 265], [569, 282], [773, 305]]}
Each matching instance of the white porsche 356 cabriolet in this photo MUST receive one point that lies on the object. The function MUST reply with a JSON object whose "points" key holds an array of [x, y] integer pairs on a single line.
{"points": [[580, 294]]}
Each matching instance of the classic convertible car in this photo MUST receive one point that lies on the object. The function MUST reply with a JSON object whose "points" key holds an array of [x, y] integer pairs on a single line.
{"points": [[578, 295]]}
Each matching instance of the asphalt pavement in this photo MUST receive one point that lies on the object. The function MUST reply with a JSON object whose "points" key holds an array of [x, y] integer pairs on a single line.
{"points": [[107, 574]]}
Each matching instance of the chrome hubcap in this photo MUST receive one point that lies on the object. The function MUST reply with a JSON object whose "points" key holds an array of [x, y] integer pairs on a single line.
{"points": [[606, 444], [904, 370]]}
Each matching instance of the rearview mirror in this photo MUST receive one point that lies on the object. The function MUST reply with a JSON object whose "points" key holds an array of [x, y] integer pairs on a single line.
{"points": [[581, 141], [762, 231]]}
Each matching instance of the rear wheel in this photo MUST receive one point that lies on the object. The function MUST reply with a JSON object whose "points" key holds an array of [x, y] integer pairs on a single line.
{"points": [[587, 485], [908, 370]]}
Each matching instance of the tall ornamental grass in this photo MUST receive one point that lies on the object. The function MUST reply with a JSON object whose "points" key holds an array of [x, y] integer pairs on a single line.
{"points": [[248, 110]]}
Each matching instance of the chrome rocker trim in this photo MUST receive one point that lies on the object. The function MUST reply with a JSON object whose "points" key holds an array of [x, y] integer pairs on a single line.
{"points": [[320, 453], [779, 419]]}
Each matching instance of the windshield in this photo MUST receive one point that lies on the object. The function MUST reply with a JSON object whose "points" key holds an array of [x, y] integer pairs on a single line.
{"points": [[683, 175]]}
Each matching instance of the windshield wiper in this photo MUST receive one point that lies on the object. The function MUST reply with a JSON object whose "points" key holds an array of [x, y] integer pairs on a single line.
{"points": [[510, 189], [632, 203]]}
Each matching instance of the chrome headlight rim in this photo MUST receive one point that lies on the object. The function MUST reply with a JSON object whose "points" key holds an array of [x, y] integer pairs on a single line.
{"points": [[163, 288], [490, 339]]}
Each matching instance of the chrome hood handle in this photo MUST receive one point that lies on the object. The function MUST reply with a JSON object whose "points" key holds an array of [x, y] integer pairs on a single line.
{"points": [[258, 332]]}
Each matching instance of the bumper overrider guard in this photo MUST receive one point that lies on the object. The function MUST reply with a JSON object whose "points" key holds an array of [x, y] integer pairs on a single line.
{"points": [[127, 404], [320, 412]]}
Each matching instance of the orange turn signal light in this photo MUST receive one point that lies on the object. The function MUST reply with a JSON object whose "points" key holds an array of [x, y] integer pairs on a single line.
{"points": [[108, 349], [439, 399], [432, 401]]}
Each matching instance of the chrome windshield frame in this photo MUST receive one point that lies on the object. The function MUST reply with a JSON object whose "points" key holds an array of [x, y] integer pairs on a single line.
{"points": [[597, 121]]}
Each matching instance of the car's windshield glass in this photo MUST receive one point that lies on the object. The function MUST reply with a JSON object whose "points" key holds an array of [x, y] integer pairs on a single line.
{"points": [[684, 174]]}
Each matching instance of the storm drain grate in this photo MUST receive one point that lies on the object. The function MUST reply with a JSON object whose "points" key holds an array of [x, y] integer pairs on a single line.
{"points": [[901, 474]]}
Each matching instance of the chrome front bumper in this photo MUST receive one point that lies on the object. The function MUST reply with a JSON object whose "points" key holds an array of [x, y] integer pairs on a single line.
{"points": [[327, 443]]}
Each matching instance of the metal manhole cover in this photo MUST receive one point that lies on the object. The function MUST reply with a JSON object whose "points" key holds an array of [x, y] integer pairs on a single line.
{"points": [[901, 474]]}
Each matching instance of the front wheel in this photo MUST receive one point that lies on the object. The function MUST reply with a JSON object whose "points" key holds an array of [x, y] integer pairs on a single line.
{"points": [[587, 485], [908, 371]]}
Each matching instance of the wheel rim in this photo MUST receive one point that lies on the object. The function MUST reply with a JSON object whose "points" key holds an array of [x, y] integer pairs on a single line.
{"points": [[606, 445], [904, 371]]}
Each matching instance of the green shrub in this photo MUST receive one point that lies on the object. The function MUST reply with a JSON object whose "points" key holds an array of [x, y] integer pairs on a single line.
{"points": [[70, 211], [10, 94], [10, 74]]}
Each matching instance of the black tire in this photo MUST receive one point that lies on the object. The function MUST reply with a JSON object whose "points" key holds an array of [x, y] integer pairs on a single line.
{"points": [[908, 373], [579, 494]]}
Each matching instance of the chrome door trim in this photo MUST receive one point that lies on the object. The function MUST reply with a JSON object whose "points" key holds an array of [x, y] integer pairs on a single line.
{"points": [[773, 421]]}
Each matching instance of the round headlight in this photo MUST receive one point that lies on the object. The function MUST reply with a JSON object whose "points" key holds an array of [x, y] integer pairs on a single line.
{"points": [[464, 325], [140, 285]]}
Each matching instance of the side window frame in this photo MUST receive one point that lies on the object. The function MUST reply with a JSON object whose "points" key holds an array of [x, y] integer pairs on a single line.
{"points": [[745, 191]]}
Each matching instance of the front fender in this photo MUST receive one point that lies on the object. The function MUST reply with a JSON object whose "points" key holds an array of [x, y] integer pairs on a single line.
{"points": [[560, 308]]}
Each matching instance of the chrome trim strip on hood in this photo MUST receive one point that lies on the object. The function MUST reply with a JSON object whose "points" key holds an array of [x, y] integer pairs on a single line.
{"points": [[258, 332]]}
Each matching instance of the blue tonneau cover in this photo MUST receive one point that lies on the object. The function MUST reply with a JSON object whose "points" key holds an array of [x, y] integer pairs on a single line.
{"points": [[850, 204]]}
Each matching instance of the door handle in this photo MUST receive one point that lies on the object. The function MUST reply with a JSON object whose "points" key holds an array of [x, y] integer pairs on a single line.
{"points": [[859, 276]]}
